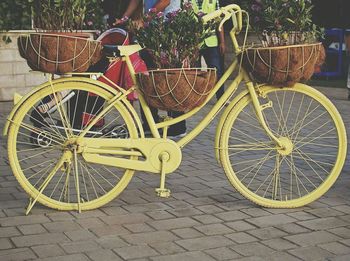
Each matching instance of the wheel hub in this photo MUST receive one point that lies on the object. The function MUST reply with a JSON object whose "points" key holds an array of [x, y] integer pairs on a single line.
{"points": [[286, 146]]}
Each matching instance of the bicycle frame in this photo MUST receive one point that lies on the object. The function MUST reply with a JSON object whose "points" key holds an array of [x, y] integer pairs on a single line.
{"points": [[231, 89]]}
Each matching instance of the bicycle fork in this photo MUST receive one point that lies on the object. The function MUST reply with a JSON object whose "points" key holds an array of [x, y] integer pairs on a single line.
{"points": [[279, 141]]}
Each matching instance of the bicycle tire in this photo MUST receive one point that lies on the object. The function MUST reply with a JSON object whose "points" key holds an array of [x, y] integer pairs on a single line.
{"points": [[32, 162], [288, 178]]}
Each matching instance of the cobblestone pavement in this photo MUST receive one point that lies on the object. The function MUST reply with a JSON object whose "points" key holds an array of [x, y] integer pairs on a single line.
{"points": [[205, 219]]}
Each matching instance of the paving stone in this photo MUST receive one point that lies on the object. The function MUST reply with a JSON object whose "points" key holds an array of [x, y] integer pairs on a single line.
{"points": [[312, 238], [75, 257], [279, 244], [223, 253], [345, 218], [132, 252], [178, 204], [341, 231], [292, 228], [79, 235], [240, 225], [196, 202], [60, 216], [181, 195], [207, 219], [5, 244], [24, 220], [311, 253], [17, 254], [103, 255], [139, 228], [241, 237], [105, 230], [90, 222], [146, 207], [209, 209], [185, 212], [166, 248], [255, 212], [343, 208], [150, 237], [32, 229], [187, 233], [278, 256], [80, 246], [232, 215], [40, 239], [111, 211], [159, 215], [173, 223], [62, 226], [88, 214], [187, 256], [340, 258], [252, 249], [48, 251], [110, 242], [271, 220], [301, 215], [267, 233], [205, 242], [214, 229], [8, 232], [335, 248], [324, 212], [125, 219], [323, 223]]}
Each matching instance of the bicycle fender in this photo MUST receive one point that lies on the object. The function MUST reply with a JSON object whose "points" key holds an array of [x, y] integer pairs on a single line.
{"points": [[222, 120], [19, 102]]}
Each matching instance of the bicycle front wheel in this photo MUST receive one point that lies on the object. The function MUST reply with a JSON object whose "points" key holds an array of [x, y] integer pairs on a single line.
{"points": [[41, 145], [314, 136]]}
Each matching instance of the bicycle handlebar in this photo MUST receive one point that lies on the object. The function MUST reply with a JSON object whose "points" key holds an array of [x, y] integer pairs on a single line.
{"points": [[228, 11]]}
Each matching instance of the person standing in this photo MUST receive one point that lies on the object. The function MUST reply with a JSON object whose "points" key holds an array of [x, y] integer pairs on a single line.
{"points": [[214, 47]]}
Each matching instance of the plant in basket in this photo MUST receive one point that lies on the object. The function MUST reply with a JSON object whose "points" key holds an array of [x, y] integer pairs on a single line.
{"points": [[173, 42], [58, 46], [289, 38]]}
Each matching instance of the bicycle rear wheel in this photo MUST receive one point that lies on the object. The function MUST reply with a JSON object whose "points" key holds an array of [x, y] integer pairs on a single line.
{"points": [[40, 148], [315, 147]]}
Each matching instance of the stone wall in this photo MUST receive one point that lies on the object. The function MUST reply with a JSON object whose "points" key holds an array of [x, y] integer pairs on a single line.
{"points": [[15, 75]]}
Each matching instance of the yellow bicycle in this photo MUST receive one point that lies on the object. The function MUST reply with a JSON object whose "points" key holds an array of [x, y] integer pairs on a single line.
{"points": [[279, 147]]}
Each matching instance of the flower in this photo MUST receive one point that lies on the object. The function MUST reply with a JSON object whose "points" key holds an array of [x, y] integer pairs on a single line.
{"points": [[277, 17], [174, 38]]}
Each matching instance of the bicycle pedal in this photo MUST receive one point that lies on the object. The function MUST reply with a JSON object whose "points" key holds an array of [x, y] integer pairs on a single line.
{"points": [[163, 193]]}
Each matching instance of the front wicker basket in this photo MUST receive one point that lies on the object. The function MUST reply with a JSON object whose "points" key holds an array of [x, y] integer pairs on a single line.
{"points": [[283, 65], [59, 53], [180, 89]]}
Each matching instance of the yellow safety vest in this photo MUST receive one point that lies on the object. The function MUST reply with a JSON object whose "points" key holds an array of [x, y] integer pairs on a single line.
{"points": [[208, 6]]}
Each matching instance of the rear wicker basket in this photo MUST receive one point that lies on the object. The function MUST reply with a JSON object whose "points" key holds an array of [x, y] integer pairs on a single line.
{"points": [[177, 89], [283, 65], [58, 53]]}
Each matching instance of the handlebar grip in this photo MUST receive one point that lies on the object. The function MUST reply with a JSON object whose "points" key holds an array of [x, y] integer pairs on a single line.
{"points": [[211, 16]]}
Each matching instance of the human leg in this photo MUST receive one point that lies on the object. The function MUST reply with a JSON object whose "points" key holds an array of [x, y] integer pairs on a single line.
{"points": [[214, 59], [178, 129]]}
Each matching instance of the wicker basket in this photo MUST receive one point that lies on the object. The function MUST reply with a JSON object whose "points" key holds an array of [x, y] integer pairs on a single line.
{"points": [[177, 89], [283, 65], [59, 53]]}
